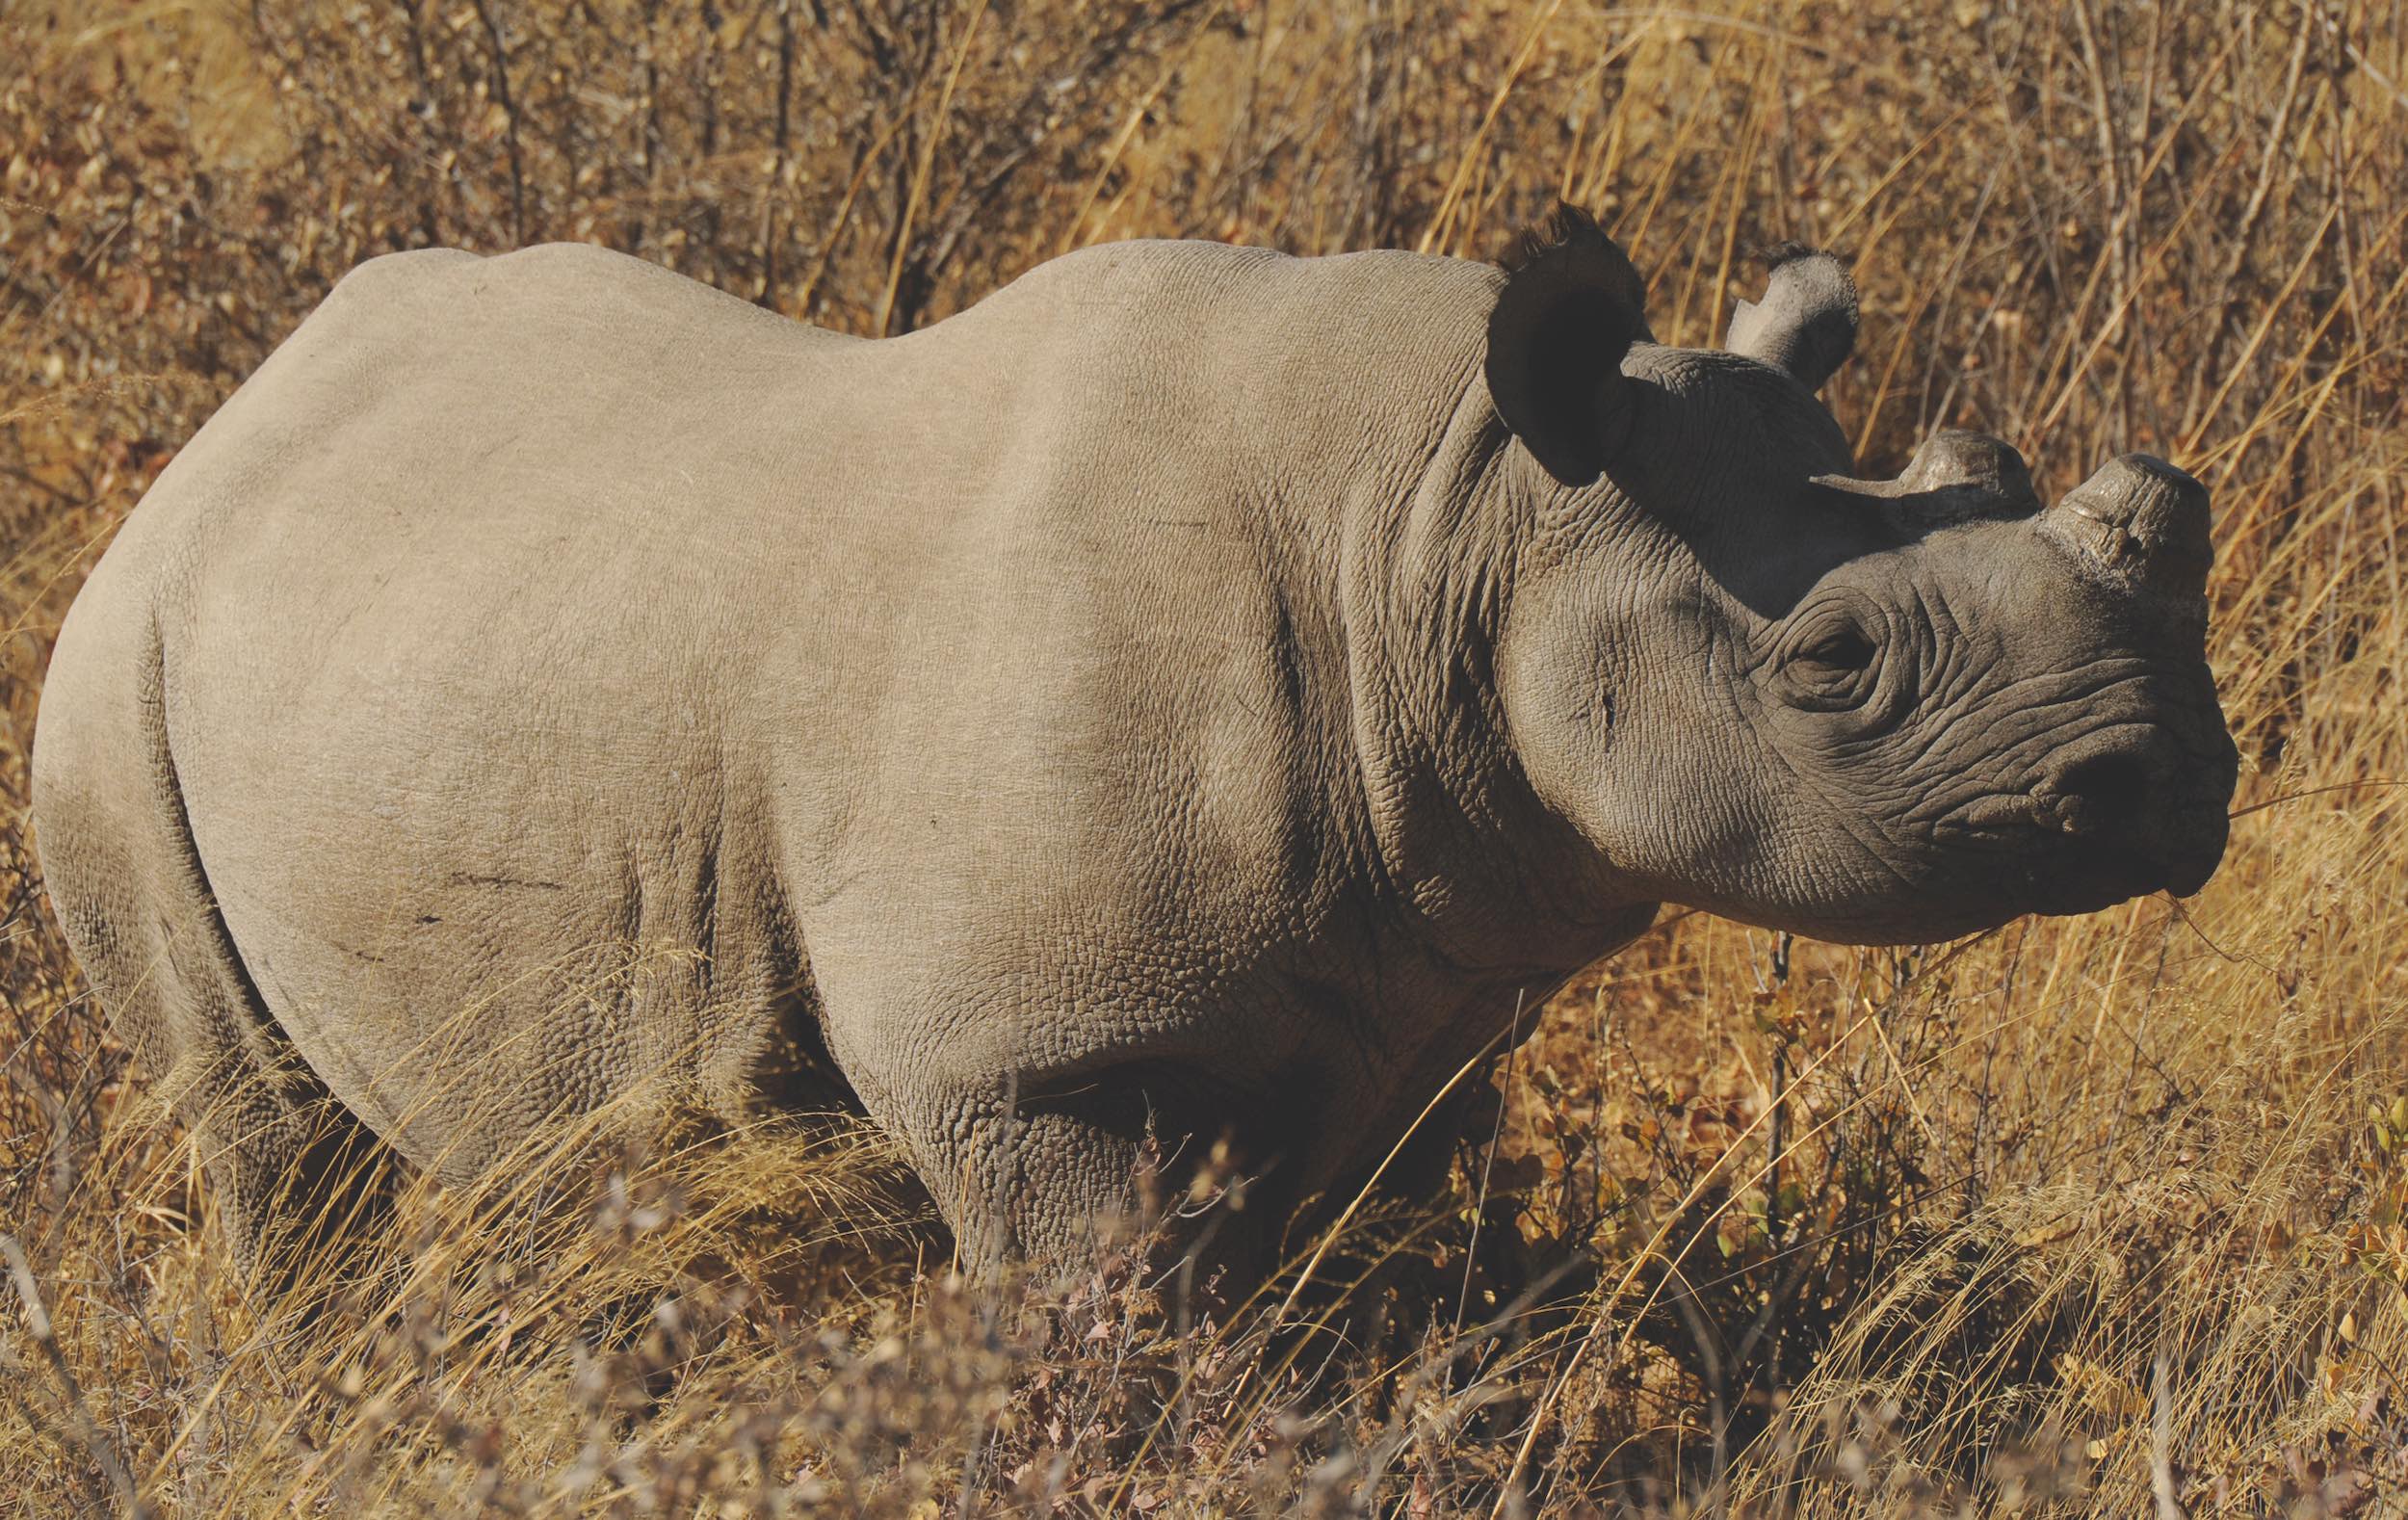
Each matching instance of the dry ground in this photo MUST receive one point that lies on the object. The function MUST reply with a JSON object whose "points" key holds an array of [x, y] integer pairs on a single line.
{"points": [[2100, 1217]]}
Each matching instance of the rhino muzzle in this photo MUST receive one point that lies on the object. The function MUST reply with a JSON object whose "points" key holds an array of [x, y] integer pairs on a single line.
{"points": [[2139, 527], [2135, 815], [2139, 807]]}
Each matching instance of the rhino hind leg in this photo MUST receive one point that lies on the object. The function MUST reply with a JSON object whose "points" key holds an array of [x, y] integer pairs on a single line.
{"points": [[289, 1170], [298, 1182]]}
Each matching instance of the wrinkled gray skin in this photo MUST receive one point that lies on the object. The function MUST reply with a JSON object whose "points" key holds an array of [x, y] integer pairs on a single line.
{"points": [[1171, 693]]}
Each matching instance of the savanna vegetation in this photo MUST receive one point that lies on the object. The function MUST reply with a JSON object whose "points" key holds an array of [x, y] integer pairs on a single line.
{"points": [[2100, 1217]]}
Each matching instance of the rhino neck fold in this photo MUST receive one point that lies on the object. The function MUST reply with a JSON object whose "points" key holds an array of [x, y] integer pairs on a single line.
{"points": [[1491, 880]]}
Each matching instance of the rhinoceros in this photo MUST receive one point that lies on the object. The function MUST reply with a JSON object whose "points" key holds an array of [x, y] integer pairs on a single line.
{"points": [[1193, 695]]}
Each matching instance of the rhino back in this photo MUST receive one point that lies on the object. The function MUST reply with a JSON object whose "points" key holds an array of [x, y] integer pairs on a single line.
{"points": [[565, 661]]}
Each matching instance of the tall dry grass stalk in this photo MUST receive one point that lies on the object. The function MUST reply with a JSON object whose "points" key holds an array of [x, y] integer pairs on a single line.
{"points": [[2101, 1217]]}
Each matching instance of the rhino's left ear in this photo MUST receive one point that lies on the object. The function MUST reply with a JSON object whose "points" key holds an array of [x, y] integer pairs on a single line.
{"points": [[1572, 305], [1806, 324]]}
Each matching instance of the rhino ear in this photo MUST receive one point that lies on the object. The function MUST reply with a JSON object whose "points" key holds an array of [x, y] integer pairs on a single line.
{"points": [[1572, 305], [1806, 324]]}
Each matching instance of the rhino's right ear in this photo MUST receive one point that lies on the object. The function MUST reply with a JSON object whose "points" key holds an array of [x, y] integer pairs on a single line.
{"points": [[1571, 308], [1806, 324]]}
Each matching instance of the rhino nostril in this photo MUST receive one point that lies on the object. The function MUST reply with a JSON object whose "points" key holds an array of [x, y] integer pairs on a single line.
{"points": [[2104, 791]]}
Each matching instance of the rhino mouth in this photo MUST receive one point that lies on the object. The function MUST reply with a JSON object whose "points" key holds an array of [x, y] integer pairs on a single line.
{"points": [[2099, 877], [2050, 869], [2117, 814]]}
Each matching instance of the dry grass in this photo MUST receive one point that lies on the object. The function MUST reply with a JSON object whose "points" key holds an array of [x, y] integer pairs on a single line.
{"points": [[2100, 1217]]}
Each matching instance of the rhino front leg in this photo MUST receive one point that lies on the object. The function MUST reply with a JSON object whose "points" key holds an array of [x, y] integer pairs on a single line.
{"points": [[1049, 1173], [1029, 1183]]}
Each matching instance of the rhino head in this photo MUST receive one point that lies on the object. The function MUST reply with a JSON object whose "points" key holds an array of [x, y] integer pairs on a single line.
{"points": [[1870, 711]]}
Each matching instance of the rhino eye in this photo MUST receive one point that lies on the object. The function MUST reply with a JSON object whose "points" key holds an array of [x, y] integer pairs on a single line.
{"points": [[1829, 665], [1841, 652]]}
